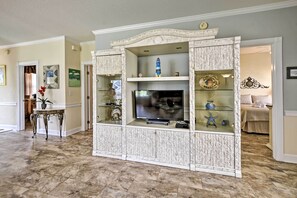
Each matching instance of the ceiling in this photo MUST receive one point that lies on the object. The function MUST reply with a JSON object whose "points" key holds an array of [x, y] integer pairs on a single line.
{"points": [[22, 21]]}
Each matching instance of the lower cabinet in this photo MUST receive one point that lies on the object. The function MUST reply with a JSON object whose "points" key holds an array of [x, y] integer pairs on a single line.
{"points": [[173, 147], [141, 143], [214, 152], [158, 146], [108, 141]]}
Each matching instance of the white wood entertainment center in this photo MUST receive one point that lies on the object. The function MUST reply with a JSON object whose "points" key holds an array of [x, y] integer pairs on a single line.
{"points": [[209, 72]]}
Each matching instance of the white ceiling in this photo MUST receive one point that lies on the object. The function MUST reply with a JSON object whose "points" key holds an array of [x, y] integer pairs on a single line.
{"points": [[28, 20]]}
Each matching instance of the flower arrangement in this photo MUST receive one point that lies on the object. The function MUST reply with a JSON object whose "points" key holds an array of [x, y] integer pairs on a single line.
{"points": [[42, 99]]}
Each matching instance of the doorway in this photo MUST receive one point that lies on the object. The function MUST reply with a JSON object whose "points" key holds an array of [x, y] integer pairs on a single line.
{"points": [[25, 93], [277, 94], [87, 96], [256, 92], [30, 90]]}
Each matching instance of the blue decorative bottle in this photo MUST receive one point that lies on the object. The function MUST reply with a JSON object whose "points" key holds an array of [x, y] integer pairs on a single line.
{"points": [[209, 105], [158, 68]]}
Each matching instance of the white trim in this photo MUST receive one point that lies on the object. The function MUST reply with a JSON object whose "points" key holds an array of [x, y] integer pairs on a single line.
{"points": [[290, 158], [239, 11], [34, 42], [8, 126], [20, 91], [290, 113], [8, 104], [277, 93], [57, 132]]}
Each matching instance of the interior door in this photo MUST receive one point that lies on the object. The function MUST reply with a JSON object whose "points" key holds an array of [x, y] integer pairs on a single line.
{"points": [[89, 96]]}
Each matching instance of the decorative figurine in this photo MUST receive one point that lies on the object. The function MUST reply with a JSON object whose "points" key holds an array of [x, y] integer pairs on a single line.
{"points": [[211, 120], [225, 122], [158, 67], [210, 105]]}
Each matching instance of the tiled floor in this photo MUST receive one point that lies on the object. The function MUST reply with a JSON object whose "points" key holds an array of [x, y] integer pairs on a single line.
{"points": [[65, 168]]}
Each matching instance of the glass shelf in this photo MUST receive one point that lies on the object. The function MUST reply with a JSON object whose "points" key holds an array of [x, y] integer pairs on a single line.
{"points": [[213, 87], [109, 96], [214, 90], [217, 108], [219, 128]]}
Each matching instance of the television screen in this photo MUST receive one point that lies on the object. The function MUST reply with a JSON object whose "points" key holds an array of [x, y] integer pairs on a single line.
{"points": [[159, 104]]}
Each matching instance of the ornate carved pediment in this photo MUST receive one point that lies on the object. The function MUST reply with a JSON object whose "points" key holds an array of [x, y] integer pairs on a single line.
{"points": [[251, 83], [165, 36]]}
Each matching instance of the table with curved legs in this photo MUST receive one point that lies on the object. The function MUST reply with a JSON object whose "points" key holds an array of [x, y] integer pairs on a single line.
{"points": [[46, 114]]}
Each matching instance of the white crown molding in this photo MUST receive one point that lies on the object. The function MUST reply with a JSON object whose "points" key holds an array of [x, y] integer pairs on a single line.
{"points": [[239, 11], [34, 42], [291, 113]]}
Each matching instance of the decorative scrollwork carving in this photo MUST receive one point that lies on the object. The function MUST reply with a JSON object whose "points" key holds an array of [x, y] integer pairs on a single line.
{"points": [[251, 83]]}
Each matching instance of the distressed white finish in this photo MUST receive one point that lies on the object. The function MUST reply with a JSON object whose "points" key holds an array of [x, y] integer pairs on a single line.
{"points": [[214, 54], [165, 36], [173, 147], [105, 62], [216, 152], [141, 143], [108, 62], [109, 140]]}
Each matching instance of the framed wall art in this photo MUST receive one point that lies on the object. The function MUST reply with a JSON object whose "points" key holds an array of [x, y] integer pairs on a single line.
{"points": [[51, 76], [74, 77], [2, 75], [291, 72]]}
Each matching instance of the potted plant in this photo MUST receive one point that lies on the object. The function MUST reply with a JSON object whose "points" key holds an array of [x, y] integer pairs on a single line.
{"points": [[42, 99]]}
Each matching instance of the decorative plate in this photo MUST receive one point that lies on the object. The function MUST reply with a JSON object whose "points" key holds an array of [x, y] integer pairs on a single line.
{"points": [[209, 82]]}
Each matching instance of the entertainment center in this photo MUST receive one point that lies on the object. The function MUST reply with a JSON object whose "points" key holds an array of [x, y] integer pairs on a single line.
{"points": [[187, 117]]}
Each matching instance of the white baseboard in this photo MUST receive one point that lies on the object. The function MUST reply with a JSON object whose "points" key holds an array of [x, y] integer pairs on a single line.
{"points": [[57, 132], [7, 126], [290, 158], [73, 131]]}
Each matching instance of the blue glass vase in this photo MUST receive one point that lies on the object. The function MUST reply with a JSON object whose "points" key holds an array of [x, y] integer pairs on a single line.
{"points": [[209, 105]]}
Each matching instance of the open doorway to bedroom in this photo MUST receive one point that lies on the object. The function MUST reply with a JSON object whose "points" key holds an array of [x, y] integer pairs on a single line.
{"points": [[256, 96]]}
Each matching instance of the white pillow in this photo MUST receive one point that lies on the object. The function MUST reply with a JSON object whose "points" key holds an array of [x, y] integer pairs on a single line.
{"points": [[264, 99], [246, 99]]}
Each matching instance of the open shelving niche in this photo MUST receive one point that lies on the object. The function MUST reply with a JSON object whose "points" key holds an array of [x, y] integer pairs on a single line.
{"points": [[174, 58]]}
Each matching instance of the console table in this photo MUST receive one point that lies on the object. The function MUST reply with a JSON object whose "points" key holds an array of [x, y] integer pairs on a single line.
{"points": [[46, 113]]}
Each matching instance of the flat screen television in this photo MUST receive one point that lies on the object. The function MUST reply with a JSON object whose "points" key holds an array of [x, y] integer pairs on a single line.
{"points": [[159, 104]]}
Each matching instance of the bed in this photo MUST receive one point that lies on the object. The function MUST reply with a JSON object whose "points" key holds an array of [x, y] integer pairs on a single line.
{"points": [[255, 116]]}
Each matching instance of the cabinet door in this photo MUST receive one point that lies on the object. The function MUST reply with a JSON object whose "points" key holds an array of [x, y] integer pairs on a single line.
{"points": [[141, 143], [109, 140], [109, 65], [214, 152], [217, 54], [173, 147]]}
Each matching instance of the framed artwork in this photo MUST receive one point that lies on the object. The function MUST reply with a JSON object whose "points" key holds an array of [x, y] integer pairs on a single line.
{"points": [[74, 77], [291, 72], [2, 75], [51, 76]]}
